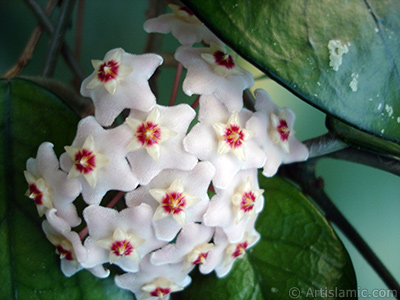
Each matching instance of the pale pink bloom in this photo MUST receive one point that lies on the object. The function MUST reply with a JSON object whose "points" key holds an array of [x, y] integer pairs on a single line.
{"points": [[120, 81], [122, 238], [183, 25], [222, 77], [177, 197], [156, 140], [191, 247], [275, 135], [97, 159], [224, 253], [232, 208], [49, 187], [68, 245], [154, 282], [225, 140]]}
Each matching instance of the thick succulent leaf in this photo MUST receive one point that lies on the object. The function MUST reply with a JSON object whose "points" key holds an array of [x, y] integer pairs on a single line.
{"points": [[298, 256], [364, 140], [30, 268], [288, 40]]}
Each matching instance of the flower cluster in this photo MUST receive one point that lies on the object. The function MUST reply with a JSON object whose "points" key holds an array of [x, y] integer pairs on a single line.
{"points": [[169, 225]]}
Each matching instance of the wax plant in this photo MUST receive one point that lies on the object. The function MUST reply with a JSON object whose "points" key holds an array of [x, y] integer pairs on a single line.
{"points": [[110, 194]]}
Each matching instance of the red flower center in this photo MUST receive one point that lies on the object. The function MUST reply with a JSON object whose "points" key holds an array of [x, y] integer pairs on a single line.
{"points": [[224, 59], [240, 249], [35, 194], [160, 292], [108, 71], [200, 259], [122, 248], [148, 134], [248, 199], [66, 254], [173, 202], [283, 129], [85, 161], [234, 136]]}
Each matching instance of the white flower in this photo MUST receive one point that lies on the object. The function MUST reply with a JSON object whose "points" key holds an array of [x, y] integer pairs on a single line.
{"points": [[68, 245], [120, 81], [224, 140], [275, 135], [177, 197], [183, 25], [212, 71], [224, 253], [99, 156], [154, 282], [122, 238], [156, 141], [232, 208], [49, 187], [191, 247]]}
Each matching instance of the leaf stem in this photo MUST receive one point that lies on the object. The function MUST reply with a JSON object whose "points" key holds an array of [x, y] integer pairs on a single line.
{"points": [[304, 175]]}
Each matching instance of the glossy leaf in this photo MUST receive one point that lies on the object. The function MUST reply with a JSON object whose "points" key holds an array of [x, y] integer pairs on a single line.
{"points": [[289, 40], [30, 268], [298, 256]]}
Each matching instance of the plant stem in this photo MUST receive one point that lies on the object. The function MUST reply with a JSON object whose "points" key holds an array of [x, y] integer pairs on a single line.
{"points": [[27, 54], [175, 87], [304, 175], [324, 145], [49, 28], [154, 40], [195, 103], [57, 38], [83, 233]]}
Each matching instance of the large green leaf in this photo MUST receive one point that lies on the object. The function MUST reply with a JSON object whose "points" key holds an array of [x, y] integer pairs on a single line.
{"points": [[298, 256], [288, 39], [30, 268]]}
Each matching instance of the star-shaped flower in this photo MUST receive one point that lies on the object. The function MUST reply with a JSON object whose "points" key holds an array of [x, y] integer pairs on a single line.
{"points": [[156, 140], [177, 197], [229, 148], [226, 253], [275, 135], [109, 73], [49, 187], [183, 25], [122, 238], [68, 245], [154, 282], [149, 134], [231, 137], [233, 207], [191, 247], [120, 81], [213, 71], [91, 148]]}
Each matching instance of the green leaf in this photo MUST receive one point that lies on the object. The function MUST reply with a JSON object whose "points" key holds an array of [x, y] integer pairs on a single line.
{"points": [[30, 268], [298, 256], [288, 40], [364, 140]]}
